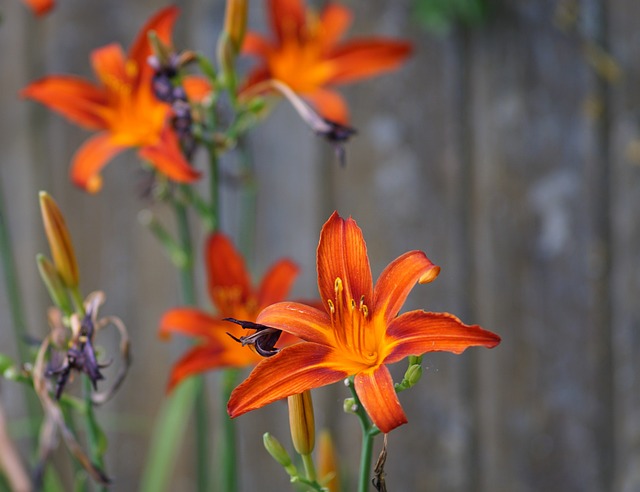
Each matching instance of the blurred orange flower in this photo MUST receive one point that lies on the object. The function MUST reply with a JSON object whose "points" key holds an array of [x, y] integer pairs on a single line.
{"points": [[40, 7], [358, 332], [307, 55], [232, 294], [121, 106]]}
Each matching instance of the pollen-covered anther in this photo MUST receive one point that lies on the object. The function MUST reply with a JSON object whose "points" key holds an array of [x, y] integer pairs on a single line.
{"points": [[332, 308], [364, 310], [338, 287]]}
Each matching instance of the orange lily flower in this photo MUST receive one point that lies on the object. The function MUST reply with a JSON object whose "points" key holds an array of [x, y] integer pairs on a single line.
{"points": [[232, 294], [122, 107], [40, 7], [359, 331], [307, 54]]}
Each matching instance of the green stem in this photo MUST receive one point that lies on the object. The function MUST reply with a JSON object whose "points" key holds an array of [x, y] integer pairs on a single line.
{"points": [[309, 467], [227, 445], [13, 289], [187, 282], [249, 202], [16, 307], [369, 431], [365, 462], [214, 188], [94, 434], [169, 429]]}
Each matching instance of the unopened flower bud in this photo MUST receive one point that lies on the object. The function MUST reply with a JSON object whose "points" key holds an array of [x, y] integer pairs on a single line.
{"points": [[235, 22], [54, 284], [59, 239], [327, 462], [302, 422], [226, 59], [350, 405], [413, 374], [275, 449]]}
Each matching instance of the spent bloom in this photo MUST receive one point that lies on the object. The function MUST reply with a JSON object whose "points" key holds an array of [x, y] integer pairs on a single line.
{"points": [[121, 107], [233, 296], [357, 333], [306, 53]]}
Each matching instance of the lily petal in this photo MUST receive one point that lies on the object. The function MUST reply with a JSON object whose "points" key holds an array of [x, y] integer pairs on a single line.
{"points": [[397, 280], [257, 45], [335, 20], [287, 17], [419, 332], [197, 88], [342, 253], [330, 105], [167, 158], [162, 24], [277, 282], [109, 64], [76, 99], [367, 57], [293, 370], [227, 270], [203, 358], [305, 322], [191, 322], [376, 391], [90, 158]]}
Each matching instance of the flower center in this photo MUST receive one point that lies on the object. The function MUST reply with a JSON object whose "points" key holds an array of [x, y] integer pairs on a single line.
{"points": [[232, 302], [351, 323]]}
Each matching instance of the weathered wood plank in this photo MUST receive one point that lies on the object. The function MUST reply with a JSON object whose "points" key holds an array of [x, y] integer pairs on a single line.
{"points": [[624, 42], [477, 152], [538, 409]]}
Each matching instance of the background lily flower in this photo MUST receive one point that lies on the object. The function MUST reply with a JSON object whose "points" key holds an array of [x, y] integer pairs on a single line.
{"points": [[359, 331], [233, 296], [40, 7], [121, 106], [308, 56]]}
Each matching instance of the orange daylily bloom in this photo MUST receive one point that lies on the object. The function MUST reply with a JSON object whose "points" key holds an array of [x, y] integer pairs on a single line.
{"points": [[232, 294], [40, 7], [359, 331], [121, 106], [308, 56]]}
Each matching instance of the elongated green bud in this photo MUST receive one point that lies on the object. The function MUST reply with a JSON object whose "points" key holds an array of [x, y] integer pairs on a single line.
{"points": [[53, 283], [275, 449]]}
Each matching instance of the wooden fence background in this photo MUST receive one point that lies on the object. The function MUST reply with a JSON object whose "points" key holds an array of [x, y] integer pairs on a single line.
{"points": [[508, 152]]}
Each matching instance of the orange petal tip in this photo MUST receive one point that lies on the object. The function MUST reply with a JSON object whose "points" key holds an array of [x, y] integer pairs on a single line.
{"points": [[430, 275]]}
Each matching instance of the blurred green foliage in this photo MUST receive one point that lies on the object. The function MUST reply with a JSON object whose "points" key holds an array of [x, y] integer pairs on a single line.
{"points": [[439, 16]]}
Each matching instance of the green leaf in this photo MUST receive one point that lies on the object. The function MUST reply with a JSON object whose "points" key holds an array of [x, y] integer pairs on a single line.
{"points": [[167, 436]]}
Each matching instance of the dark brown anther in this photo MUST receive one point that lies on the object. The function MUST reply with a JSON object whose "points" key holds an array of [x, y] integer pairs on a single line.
{"points": [[337, 134]]}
